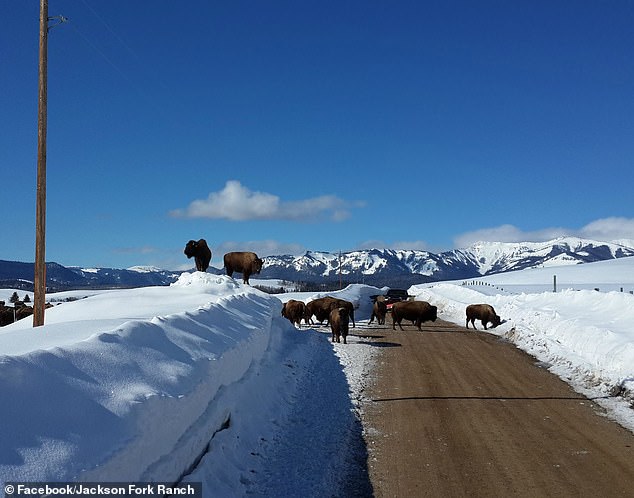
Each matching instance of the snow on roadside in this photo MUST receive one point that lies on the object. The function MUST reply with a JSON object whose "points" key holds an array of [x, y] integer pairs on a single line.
{"points": [[95, 404]]}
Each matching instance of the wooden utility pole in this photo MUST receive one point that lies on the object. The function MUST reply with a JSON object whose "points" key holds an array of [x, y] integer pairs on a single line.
{"points": [[39, 300]]}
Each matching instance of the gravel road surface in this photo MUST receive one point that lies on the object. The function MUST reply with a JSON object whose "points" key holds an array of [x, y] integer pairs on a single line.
{"points": [[453, 412]]}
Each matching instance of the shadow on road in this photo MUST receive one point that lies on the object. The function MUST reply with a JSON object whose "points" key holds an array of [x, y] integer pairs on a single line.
{"points": [[381, 344]]}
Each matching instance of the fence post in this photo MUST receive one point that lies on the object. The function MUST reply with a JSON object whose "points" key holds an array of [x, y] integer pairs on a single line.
{"points": [[554, 283]]}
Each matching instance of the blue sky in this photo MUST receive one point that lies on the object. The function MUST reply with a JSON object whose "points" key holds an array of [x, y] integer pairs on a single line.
{"points": [[287, 126]]}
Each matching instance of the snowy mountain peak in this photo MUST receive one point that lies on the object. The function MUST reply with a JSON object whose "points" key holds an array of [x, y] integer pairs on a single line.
{"points": [[385, 266], [144, 269]]}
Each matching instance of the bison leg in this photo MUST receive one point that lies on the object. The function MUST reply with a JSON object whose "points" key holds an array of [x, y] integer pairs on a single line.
{"points": [[484, 324]]}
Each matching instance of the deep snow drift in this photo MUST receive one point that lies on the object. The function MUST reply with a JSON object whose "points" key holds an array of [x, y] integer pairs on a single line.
{"points": [[204, 381]]}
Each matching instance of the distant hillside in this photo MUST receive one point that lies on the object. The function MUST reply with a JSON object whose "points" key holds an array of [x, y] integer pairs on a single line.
{"points": [[15, 275], [379, 267]]}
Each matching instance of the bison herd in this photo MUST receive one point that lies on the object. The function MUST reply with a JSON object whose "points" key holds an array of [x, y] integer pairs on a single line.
{"points": [[338, 313], [246, 263]]}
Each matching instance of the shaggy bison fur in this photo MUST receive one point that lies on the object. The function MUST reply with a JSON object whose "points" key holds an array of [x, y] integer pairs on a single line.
{"points": [[322, 307], [200, 252], [339, 321], [246, 263], [417, 311], [294, 311], [483, 312]]}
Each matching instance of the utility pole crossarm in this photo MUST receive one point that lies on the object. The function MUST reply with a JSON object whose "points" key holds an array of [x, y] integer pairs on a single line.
{"points": [[59, 19]]}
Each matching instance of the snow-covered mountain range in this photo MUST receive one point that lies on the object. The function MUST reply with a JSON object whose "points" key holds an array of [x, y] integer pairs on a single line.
{"points": [[380, 267]]}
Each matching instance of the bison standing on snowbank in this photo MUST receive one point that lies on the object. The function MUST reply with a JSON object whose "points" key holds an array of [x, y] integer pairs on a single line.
{"points": [[483, 312], [246, 263], [339, 321], [417, 311], [200, 252], [294, 311]]}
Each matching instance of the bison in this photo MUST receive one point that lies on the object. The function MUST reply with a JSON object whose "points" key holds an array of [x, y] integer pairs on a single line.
{"points": [[417, 311], [200, 252], [322, 307], [379, 310], [246, 263], [483, 312], [317, 308], [339, 321], [294, 311]]}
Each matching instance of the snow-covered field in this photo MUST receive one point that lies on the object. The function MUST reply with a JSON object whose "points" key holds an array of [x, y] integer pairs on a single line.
{"points": [[204, 381]]}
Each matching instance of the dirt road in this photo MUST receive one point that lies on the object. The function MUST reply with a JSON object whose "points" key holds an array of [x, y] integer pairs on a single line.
{"points": [[463, 413]]}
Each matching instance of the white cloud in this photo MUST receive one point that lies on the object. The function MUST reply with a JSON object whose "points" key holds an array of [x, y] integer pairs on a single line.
{"points": [[613, 228], [604, 230], [237, 203]]}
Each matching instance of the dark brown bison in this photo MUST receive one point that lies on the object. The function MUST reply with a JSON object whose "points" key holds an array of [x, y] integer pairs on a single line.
{"points": [[322, 307], [200, 252], [294, 311], [339, 321], [417, 311], [318, 309], [246, 263], [483, 312], [379, 310]]}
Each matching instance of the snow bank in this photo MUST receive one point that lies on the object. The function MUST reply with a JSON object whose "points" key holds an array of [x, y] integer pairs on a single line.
{"points": [[91, 408]]}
